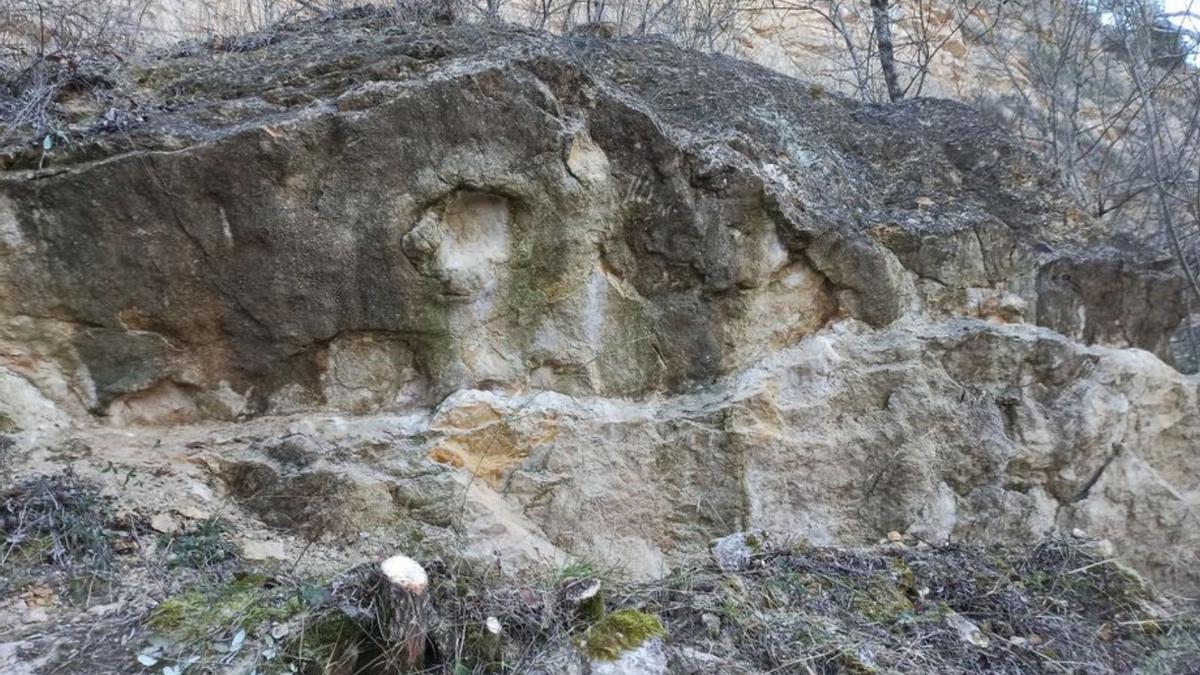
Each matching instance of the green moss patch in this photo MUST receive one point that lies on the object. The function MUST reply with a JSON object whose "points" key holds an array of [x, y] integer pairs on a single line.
{"points": [[619, 632], [243, 604], [323, 641]]}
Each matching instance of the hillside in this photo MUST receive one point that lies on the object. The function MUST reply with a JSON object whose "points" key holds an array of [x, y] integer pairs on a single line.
{"points": [[356, 287]]}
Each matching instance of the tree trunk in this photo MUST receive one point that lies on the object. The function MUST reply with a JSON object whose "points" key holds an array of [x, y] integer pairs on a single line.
{"points": [[887, 56], [408, 611]]}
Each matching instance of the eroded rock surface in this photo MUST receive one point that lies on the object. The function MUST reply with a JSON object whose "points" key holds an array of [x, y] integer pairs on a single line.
{"points": [[607, 298]]}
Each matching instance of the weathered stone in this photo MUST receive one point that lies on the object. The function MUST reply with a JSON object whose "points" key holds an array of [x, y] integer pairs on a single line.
{"points": [[621, 240], [295, 450], [316, 503], [164, 523], [600, 297], [733, 553], [256, 549], [649, 658]]}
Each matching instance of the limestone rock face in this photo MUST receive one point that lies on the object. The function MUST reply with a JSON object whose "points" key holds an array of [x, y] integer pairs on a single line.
{"points": [[621, 299]]}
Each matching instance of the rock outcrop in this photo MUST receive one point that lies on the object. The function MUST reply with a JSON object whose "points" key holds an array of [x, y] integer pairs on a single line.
{"points": [[628, 298]]}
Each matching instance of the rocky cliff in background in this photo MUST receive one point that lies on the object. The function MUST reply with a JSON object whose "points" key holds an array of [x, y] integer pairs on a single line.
{"points": [[612, 297]]}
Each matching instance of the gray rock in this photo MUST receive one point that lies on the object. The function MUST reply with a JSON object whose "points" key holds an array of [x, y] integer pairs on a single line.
{"points": [[733, 552], [649, 658]]}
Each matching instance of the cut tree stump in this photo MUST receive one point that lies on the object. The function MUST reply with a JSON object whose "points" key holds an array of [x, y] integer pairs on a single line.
{"points": [[586, 599], [408, 611]]}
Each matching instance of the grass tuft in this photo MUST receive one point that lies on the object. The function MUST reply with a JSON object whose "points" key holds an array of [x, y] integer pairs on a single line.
{"points": [[202, 547]]}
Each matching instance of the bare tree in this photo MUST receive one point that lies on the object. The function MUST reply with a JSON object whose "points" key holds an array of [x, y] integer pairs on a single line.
{"points": [[1158, 65], [887, 47], [1108, 91], [887, 57]]}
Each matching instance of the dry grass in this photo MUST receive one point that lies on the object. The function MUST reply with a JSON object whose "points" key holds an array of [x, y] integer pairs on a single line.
{"points": [[1060, 606], [59, 519], [1057, 607]]}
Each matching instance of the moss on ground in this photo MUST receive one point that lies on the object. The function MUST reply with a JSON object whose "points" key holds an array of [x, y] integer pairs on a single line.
{"points": [[881, 602], [322, 641], [618, 632], [245, 604]]}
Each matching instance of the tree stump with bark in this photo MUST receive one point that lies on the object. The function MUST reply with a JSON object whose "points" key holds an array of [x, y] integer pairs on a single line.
{"points": [[390, 604], [585, 598], [404, 611]]}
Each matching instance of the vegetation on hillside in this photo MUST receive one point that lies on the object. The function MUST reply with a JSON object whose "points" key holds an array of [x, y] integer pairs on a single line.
{"points": [[901, 606]]}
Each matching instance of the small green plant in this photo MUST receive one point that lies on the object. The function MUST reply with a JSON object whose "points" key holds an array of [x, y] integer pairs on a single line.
{"points": [[201, 547], [127, 475], [60, 519], [578, 569]]}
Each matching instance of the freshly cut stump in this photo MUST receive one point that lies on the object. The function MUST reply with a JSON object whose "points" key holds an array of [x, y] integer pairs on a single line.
{"points": [[408, 610]]}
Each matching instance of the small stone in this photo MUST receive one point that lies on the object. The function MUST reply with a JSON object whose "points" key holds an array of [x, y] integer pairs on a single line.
{"points": [[164, 523], [1078, 533], [648, 659], [10, 657], [38, 596], [280, 630], [1018, 641], [104, 610], [253, 549], [895, 537], [37, 615], [697, 661], [193, 513], [733, 553], [967, 630], [493, 625]]}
